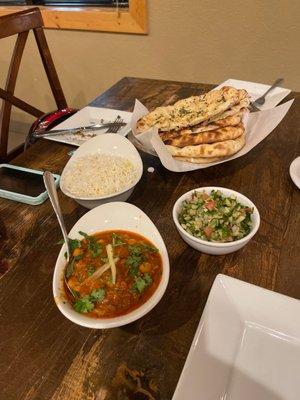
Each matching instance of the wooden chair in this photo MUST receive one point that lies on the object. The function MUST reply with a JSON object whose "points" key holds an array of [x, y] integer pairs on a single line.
{"points": [[20, 24]]}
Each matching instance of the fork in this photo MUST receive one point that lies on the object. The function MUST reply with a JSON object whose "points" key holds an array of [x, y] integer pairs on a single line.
{"points": [[33, 136], [262, 99], [116, 125]]}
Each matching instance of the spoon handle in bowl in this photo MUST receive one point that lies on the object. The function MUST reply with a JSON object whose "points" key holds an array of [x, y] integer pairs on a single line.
{"points": [[52, 192]]}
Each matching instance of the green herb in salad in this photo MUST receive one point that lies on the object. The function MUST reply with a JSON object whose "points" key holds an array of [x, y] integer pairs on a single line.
{"points": [[215, 217]]}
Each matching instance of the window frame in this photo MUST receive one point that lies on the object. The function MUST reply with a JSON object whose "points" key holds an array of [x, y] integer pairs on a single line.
{"points": [[129, 20]]}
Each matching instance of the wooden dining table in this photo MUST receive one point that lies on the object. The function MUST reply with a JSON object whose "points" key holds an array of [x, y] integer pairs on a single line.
{"points": [[45, 356]]}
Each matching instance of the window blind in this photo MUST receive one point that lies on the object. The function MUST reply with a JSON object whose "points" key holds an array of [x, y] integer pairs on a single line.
{"points": [[75, 3]]}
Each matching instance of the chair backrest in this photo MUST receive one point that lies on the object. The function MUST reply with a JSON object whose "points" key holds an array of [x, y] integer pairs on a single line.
{"points": [[20, 24]]}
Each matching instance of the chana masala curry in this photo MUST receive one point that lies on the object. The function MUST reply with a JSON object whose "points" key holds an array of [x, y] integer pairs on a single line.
{"points": [[112, 273]]}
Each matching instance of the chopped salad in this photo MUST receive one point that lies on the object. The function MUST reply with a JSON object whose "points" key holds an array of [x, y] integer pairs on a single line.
{"points": [[215, 217]]}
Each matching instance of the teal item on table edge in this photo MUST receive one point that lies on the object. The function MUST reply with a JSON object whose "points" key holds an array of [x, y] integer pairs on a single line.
{"points": [[23, 198]]}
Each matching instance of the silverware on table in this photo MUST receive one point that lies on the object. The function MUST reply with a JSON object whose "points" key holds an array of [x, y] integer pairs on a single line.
{"points": [[254, 106], [116, 125], [52, 192], [110, 125]]}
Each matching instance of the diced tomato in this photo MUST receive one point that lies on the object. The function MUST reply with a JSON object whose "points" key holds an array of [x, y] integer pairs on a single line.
{"points": [[210, 205], [208, 231]]}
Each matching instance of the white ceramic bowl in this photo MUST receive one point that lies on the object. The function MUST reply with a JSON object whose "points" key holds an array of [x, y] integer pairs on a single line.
{"points": [[111, 144], [295, 172], [117, 215], [211, 247]]}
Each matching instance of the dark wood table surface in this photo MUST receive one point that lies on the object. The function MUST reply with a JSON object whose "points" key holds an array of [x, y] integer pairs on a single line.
{"points": [[45, 356]]}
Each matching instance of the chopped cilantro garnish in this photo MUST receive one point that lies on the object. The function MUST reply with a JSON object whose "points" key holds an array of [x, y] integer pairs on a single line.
{"points": [[97, 295], [137, 256], [133, 262], [135, 249], [141, 283], [86, 303], [91, 270], [142, 248], [85, 235], [150, 248], [94, 247], [83, 305], [74, 244], [148, 279], [117, 240]]}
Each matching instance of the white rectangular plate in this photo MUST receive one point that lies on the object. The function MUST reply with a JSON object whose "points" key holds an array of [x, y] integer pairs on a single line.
{"points": [[247, 346], [256, 90], [88, 116]]}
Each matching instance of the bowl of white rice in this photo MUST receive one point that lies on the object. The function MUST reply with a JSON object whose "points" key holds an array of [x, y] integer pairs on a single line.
{"points": [[105, 168]]}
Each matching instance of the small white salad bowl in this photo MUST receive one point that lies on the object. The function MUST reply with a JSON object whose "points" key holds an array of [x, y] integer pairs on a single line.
{"points": [[109, 144], [110, 216], [212, 247]]}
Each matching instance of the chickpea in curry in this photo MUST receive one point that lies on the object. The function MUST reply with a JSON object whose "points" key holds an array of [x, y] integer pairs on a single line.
{"points": [[112, 273]]}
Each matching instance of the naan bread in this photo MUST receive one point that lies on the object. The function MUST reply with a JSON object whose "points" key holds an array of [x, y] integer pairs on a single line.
{"points": [[218, 135], [199, 160], [230, 120], [242, 106], [219, 149], [203, 127], [192, 111]]}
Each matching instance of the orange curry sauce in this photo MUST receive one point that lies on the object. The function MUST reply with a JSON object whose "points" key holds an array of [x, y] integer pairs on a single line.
{"points": [[139, 269]]}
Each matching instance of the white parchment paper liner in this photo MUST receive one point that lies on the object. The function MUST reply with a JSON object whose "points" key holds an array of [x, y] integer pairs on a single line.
{"points": [[258, 126]]}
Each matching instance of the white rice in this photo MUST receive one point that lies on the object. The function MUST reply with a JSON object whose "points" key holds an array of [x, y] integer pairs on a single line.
{"points": [[98, 175]]}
